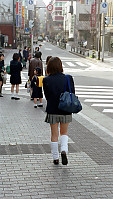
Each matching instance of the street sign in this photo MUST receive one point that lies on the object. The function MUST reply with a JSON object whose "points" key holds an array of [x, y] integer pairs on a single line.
{"points": [[26, 29], [50, 7], [104, 7], [31, 5], [31, 24]]}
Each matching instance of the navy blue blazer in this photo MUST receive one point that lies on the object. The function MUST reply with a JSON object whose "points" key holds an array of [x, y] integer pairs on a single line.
{"points": [[53, 86]]}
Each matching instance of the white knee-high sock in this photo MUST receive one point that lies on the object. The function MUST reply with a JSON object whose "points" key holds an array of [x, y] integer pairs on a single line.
{"points": [[54, 150], [64, 143]]}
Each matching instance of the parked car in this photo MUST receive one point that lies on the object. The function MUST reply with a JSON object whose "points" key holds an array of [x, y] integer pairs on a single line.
{"points": [[40, 38]]}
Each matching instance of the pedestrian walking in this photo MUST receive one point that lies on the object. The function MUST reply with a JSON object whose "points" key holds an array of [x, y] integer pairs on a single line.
{"points": [[35, 62], [20, 55], [1, 72], [47, 60], [29, 51], [36, 85], [15, 72], [53, 86], [25, 56], [40, 52], [36, 50]]}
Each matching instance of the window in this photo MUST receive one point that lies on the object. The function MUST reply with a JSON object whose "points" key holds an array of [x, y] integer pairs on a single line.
{"points": [[84, 17]]}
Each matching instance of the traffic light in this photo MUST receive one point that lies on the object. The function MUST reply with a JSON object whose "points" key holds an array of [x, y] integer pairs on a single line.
{"points": [[107, 20]]}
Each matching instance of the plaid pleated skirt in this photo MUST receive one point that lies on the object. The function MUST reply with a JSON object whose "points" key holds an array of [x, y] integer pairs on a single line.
{"points": [[53, 118]]}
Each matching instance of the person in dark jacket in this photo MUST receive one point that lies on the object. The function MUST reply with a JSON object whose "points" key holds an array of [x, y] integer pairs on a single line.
{"points": [[47, 60], [37, 89], [20, 55], [1, 72], [35, 62], [25, 56], [53, 86], [15, 72]]}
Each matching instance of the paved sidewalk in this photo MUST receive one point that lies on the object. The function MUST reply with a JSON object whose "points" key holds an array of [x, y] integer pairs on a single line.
{"points": [[26, 165]]}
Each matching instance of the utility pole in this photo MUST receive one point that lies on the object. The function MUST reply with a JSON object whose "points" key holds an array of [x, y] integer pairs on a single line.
{"points": [[31, 41], [14, 39], [99, 29], [103, 36], [103, 39]]}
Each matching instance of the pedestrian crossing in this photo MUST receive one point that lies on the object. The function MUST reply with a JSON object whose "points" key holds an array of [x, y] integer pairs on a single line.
{"points": [[96, 96], [22, 89], [74, 65]]}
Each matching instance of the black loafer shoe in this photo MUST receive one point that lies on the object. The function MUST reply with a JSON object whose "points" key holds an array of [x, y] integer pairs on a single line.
{"points": [[56, 162], [17, 98], [12, 98], [40, 105], [64, 158], [1, 95]]}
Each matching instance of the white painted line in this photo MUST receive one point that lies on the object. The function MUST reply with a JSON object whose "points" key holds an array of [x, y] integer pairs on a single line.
{"points": [[94, 93], [70, 64], [88, 89], [7, 86], [108, 111], [94, 96], [103, 105], [72, 70], [98, 100], [95, 123], [80, 64], [21, 88], [48, 49], [81, 86], [91, 64]]}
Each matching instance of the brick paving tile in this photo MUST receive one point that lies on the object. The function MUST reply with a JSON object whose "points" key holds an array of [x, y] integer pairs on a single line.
{"points": [[26, 165]]}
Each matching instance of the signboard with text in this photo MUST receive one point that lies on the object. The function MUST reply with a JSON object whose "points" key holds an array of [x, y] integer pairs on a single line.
{"points": [[93, 14], [19, 13]]}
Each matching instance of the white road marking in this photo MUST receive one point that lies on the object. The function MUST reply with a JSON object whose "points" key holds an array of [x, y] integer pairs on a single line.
{"points": [[94, 96], [20, 88], [94, 93], [102, 105], [98, 100], [107, 111], [48, 48], [72, 70], [81, 64], [88, 89], [70, 64], [78, 86]]}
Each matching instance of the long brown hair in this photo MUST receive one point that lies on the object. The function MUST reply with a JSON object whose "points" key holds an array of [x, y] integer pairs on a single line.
{"points": [[54, 66]]}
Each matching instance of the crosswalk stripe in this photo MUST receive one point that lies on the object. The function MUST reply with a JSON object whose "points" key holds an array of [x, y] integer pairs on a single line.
{"points": [[80, 64], [98, 100], [102, 105], [88, 89], [94, 96], [20, 88], [107, 111], [83, 86], [70, 64], [94, 93]]}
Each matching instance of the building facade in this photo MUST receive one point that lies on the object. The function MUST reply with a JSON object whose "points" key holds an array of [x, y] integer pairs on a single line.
{"points": [[6, 23], [57, 14]]}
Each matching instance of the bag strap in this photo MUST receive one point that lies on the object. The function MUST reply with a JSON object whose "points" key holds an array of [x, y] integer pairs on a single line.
{"points": [[67, 81]]}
